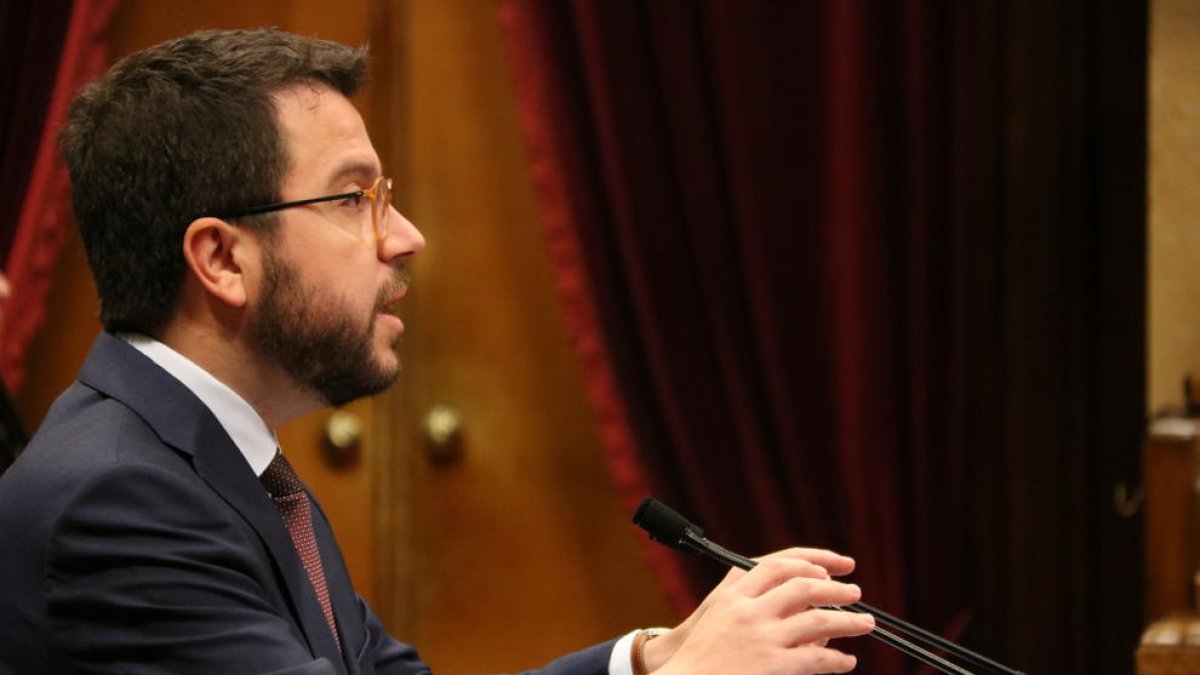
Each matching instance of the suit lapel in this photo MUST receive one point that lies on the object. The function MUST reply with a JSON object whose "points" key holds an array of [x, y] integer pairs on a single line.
{"points": [[238, 485], [182, 421]]}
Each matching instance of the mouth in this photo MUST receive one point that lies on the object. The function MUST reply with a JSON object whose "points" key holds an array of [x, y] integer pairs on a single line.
{"points": [[390, 296], [390, 304], [387, 305]]}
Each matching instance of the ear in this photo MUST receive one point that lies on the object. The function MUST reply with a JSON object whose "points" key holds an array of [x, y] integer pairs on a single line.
{"points": [[217, 253]]}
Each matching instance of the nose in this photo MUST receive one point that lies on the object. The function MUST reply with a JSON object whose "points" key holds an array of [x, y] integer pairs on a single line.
{"points": [[403, 238]]}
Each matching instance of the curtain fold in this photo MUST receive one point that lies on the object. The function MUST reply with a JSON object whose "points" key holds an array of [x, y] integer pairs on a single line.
{"points": [[864, 275], [563, 203], [731, 197], [33, 34], [61, 46]]}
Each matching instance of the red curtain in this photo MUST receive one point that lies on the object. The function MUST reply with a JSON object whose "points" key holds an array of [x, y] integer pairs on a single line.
{"points": [[53, 48], [842, 274], [752, 200]]}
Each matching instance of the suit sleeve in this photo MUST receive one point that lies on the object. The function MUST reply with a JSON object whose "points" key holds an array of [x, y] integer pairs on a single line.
{"points": [[387, 655], [147, 572], [591, 661]]}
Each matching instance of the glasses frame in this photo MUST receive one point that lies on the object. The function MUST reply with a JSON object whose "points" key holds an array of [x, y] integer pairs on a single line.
{"points": [[379, 218]]}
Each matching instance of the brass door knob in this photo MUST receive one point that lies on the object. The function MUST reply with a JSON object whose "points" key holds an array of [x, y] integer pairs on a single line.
{"points": [[342, 441], [443, 432]]}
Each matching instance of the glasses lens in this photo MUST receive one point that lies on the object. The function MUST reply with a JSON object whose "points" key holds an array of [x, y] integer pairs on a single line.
{"points": [[380, 206]]}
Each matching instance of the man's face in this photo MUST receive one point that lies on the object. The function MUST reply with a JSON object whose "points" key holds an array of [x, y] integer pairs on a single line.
{"points": [[317, 339], [324, 301]]}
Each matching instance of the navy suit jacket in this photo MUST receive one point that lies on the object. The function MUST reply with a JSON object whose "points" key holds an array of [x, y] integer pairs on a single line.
{"points": [[135, 538]]}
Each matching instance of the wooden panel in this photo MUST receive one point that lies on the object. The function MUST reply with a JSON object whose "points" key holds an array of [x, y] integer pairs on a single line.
{"points": [[523, 552], [1169, 647], [1173, 171], [1171, 475]]}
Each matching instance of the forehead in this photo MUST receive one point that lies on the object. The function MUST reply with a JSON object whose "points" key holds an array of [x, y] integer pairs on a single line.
{"points": [[325, 138]]}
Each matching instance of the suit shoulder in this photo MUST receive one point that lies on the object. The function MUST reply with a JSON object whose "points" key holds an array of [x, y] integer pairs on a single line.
{"points": [[86, 440], [84, 431]]}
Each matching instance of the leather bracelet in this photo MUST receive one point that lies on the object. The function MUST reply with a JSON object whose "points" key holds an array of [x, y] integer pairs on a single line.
{"points": [[637, 655]]}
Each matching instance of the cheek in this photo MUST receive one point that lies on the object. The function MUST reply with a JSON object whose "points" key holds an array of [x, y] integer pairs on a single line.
{"points": [[338, 276]]}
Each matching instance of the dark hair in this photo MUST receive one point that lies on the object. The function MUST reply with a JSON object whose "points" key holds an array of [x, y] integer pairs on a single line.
{"points": [[182, 130]]}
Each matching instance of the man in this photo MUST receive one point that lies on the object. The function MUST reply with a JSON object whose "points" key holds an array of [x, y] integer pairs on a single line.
{"points": [[248, 262]]}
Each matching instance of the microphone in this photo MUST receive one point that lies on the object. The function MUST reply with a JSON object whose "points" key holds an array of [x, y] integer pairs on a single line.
{"points": [[667, 527]]}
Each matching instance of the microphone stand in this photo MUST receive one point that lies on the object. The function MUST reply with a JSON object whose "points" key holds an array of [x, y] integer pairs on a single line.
{"points": [[669, 528]]}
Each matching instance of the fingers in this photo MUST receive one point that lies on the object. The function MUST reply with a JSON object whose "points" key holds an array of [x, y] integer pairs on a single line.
{"points": [[828, 562], [825, 660], [815, 627], [736, 636], [837, 564], [795, 592], [773, 571], [808, 611], [776, 618], [798, 594]]}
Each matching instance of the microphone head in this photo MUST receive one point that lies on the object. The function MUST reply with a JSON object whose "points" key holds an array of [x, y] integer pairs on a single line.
{"points": [[664, 524]]}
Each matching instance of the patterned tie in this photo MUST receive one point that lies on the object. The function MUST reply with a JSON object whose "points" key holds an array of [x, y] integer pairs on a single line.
{"points": [[288, 494]]}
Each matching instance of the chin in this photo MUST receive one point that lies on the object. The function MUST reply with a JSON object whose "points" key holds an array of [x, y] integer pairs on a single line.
{"points": [[387, 356], [391, 370]]}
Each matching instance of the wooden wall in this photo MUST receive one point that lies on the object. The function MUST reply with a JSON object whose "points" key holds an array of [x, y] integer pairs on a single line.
{"points": [[1174, 217]]}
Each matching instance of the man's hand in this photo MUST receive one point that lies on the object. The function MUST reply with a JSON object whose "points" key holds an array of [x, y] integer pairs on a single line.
{"points": [[764, 621]]}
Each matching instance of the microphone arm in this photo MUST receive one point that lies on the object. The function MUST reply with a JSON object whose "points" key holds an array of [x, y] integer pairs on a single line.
{"points": [[671, 529]]}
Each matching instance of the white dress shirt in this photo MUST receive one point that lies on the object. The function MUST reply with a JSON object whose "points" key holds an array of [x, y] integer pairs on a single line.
{"points": [[251, 435]]}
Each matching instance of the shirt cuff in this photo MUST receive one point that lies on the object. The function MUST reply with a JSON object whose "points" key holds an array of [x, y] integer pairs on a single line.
{"points": [[621, 661]]}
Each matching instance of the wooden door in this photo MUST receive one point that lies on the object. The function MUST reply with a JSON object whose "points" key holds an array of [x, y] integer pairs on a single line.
{"points": [[520, 551]]}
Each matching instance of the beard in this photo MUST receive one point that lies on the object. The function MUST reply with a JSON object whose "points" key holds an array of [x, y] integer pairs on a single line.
{"points": [[316, 340]]}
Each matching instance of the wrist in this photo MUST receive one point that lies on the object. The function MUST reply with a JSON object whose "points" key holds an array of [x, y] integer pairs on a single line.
{"points": [[649, 652]]}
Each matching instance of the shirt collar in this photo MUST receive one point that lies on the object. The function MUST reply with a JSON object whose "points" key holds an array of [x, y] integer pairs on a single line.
{"points": [[250, 433]]}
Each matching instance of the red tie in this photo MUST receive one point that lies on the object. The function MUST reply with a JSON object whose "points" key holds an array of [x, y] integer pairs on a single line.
{"points": [[292, 501]]}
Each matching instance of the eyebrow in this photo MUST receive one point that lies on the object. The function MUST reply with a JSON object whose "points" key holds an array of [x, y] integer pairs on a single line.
{"points": [[353, 169]]}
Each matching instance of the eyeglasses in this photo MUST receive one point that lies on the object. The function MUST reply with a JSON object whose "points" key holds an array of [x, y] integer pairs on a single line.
{"points": [[379, 194]]}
